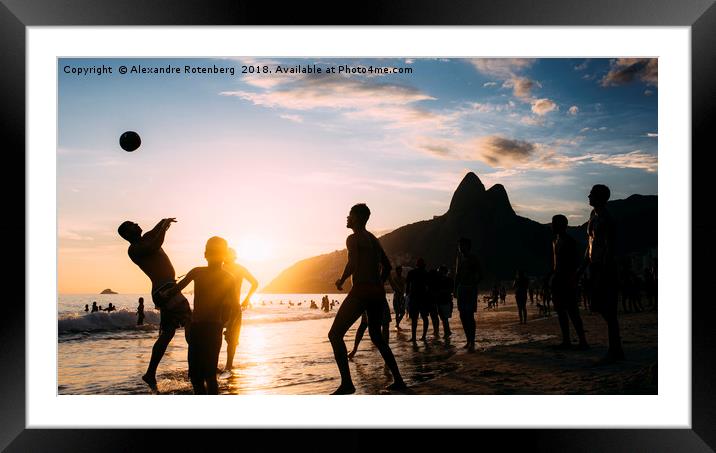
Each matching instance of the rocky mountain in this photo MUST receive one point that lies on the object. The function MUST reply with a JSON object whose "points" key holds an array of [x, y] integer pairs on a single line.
{"points": [[503, 240]]}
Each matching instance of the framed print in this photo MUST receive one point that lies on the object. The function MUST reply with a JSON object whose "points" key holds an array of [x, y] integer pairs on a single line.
{"points": [[271, 184]]}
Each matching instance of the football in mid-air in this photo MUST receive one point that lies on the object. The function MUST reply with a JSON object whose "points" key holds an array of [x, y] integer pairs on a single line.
{"points": [[129, 141]]}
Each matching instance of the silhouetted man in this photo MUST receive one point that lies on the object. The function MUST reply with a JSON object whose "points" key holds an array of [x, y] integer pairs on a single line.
{"points": [[564, 282], [145, 250], [369, 268], [600, 259], [521, 285], [467, 277], [140, 312], [94, 307], [416, 286], [233, 327], [214, 300], [445, 287], [397, 282]]}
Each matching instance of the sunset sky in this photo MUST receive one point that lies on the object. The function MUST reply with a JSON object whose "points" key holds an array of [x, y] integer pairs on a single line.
{"points": [[274, 162]]}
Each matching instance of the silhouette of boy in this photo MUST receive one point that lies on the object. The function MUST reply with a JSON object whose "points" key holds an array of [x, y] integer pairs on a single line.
{"points": [[214, 298]]}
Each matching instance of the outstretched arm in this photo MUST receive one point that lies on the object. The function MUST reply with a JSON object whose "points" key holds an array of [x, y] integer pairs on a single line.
{"points": [[180, 285], [350, 265], [254, 286], [153, 239]]}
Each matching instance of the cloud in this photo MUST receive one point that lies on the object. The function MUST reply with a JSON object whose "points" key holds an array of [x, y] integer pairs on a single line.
{"points": [[626, 70], [648, 92], [532, 120], [651, 135], [294, 118], [515, 155], [543, 106], [635, 159], [582, 66], [332, 93], [486, 107], [573, 110], [521, 87], [507, 69], [392, 104], [409, 61], [498, 151], [489, 84], [502, 68]]}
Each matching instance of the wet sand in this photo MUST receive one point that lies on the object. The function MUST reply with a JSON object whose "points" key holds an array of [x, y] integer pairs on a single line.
{"points": [[538, 368]]}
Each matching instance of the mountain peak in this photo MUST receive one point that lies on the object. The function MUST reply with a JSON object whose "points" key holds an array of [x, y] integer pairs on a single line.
{"points": [[468, 191]]}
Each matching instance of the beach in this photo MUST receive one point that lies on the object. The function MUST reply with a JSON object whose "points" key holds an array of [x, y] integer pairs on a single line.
{"points": [[286, 351], [537, 368]]}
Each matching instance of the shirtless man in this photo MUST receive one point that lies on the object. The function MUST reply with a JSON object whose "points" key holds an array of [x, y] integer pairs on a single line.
{"points": [[369, 267], [233, 328], [145, 250], [600, 260]]}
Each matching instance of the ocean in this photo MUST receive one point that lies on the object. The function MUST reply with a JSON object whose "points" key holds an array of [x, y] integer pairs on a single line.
{"points": [[282, 349]]}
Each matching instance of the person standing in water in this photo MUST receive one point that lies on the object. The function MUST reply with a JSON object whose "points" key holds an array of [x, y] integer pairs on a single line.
{"points": [[467, 277], [145, 250], [140, 312], [444, 299], [369, 268], [601, 262], [521, 284], [94, 307], [233, 327], [397, 282], [416, 286], [86, 308], [214, 300], [564, 282]]}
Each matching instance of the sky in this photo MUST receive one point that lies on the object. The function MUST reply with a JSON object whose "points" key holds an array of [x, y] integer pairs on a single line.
{"points": [[273, 161]]}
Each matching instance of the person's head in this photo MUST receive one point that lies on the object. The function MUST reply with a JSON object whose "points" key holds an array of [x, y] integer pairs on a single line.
{"points": [[130, 231], [216, 250], [599, 195], [230, 255], [399, 270], [141, 300], [559, 224], [420, 263], [358, 216], [94, 303], [465, 245]]}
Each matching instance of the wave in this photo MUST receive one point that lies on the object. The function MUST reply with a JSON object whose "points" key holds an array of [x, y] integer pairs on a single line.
{"points": [[118, 320], [127, 320]]}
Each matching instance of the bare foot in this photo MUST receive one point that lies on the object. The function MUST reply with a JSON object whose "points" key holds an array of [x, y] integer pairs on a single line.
{"points": [[151, 382], [351, 354], [344, 390], [397, 385]]}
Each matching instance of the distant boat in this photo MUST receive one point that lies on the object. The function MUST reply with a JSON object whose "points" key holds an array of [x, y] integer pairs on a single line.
{"points": [[108, 291]]}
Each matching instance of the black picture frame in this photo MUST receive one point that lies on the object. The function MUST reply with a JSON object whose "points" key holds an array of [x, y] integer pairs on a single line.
{"points": [[700, 15]]}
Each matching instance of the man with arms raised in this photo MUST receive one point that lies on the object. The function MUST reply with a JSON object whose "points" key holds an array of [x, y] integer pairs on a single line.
{"points": [[145, 250]]}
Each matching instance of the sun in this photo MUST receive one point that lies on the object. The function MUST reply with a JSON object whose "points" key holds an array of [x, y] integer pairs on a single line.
{"points": [[254, 249]]}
